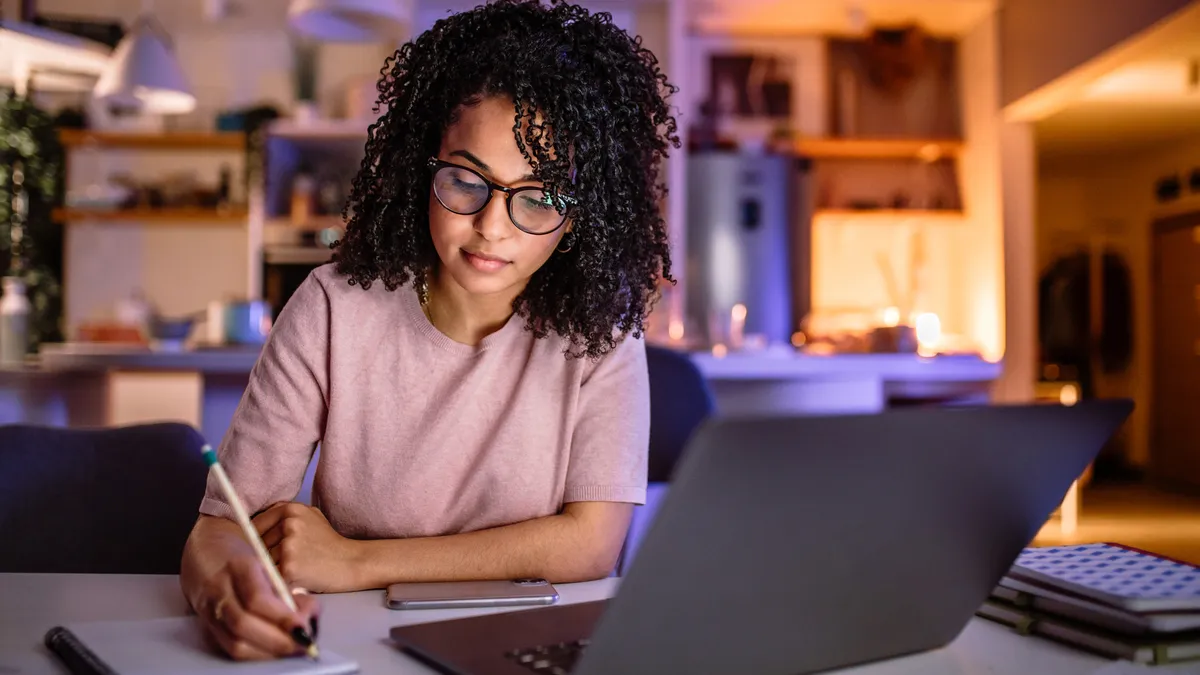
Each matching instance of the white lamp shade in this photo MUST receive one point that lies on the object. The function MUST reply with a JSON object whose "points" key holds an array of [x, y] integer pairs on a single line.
{"points": [[145, 75], [349, 20]]}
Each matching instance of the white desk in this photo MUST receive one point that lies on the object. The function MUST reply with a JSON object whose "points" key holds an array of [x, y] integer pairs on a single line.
{"points": [[357, 625]]}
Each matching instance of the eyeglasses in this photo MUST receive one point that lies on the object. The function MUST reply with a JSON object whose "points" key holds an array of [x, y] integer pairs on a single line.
{"points": [[465, 191]]}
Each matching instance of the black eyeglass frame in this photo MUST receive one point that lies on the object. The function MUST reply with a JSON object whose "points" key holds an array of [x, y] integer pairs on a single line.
{"points": [[436, 165]]}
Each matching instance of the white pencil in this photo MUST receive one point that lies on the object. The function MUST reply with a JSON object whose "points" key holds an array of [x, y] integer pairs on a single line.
{"points": [[243, 519]]}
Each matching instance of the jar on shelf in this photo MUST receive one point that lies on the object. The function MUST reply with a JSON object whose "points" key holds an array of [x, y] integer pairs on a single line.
{"points": [[14, 321], [304, 189]]}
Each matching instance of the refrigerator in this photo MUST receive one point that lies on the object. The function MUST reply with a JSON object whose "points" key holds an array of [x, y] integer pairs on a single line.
{"points": [[748, 223]]}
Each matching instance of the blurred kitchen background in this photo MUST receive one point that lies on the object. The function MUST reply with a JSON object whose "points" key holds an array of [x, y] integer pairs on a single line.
{"points": [[878, 203]]}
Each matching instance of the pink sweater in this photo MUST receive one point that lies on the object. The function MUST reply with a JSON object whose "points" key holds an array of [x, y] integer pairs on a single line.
{"points": [[424, 436]]}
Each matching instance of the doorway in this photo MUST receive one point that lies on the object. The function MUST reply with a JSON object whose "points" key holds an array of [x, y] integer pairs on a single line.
{"points": [[1175, 417]]}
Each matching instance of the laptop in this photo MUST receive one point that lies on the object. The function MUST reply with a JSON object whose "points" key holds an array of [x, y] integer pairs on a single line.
{"points": [[803, 544]]}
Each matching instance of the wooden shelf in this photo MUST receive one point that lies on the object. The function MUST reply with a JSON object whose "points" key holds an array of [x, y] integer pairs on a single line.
{"points": [[164, 215], [856, 148], [315, 223], [296, 255], [942, 215], [176, 140], [322, 130]]}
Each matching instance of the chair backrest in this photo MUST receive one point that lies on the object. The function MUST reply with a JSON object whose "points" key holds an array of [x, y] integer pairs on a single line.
{"points": [[680, 399], [114, 500]]}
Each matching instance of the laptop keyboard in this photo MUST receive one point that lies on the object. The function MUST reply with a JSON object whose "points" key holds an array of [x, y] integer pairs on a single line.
{"points": [[556, 659]]}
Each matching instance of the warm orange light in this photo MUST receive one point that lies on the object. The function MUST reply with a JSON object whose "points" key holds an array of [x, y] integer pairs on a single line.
{"points": [[737, 325], [891, 317], [1145, 80], [675, 330], [930, 152], [1068, 395], [719, 350], [798, 339], [929, 333]]}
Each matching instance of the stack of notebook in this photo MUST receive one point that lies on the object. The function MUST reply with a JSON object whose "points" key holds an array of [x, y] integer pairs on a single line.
{"points": [[1106, 598]]}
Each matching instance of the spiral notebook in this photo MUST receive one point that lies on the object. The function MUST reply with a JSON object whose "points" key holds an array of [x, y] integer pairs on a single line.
{"points": [[174, 645]]}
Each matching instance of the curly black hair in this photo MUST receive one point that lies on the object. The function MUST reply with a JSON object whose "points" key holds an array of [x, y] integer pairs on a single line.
{"points": [[590, 116]]}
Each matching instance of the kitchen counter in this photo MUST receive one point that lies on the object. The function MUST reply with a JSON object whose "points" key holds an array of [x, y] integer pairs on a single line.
{"points": [[791, 383], [788, 365], [71, 385], [84, 357], [734, 366], [30, 394], [77, 384]]}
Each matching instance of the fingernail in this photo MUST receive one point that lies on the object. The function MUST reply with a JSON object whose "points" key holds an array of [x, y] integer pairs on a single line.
{"points": [[301, 637]]}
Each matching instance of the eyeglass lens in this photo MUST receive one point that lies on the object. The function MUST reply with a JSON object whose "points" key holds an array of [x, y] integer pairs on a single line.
{"points": [[464, 192]]}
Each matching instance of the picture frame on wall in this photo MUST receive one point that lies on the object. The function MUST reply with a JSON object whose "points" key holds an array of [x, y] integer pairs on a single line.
{"points": [[754, 90], [895, 83], [748, 85], [748, 95]]}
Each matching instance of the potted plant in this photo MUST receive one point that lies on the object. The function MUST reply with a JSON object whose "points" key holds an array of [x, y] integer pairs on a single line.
{"points": [[31, 165]]}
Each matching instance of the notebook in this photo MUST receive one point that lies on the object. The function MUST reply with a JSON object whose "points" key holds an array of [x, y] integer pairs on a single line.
{"points": [[174, 645], [1033, 596], [1150, 649], [1119, 576]]}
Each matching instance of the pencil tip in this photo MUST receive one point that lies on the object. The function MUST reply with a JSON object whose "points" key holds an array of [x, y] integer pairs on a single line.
{"points": [[313, 652]]}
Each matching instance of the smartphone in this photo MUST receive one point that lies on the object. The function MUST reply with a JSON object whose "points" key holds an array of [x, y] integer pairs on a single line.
{"points": [[460, 594]]}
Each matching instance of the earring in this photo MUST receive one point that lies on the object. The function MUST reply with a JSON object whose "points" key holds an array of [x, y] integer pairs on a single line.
{"points": [[570, 239]]}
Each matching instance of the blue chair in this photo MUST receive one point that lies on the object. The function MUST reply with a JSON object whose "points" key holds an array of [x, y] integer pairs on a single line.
{"points": [[680, 400], [102, 501]]}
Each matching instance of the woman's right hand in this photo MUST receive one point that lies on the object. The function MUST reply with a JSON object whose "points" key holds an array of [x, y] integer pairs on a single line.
{"points": [[244, 616], [228, 588]]}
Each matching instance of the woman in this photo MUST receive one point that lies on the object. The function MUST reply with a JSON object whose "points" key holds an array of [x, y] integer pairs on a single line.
{"points": [[472, 363]]}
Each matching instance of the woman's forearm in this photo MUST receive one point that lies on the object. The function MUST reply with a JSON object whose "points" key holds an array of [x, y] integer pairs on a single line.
{"points": [[581, 544]]}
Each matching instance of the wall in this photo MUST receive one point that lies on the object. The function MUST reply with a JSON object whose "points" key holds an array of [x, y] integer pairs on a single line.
{"points": [[1018, 190], [1112, 201], [848, 262], [1043, 39], [979, 249]]}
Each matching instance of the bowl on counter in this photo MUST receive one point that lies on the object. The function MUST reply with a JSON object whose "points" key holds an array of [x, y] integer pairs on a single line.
{"points": [[170, 333], [893, 340]]}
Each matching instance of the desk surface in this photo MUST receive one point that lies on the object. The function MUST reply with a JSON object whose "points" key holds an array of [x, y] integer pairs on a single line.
{"points": [[356, 625]]}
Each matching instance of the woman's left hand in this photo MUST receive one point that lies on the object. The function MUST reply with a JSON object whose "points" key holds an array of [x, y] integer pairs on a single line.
{"points": [[306, 549]]}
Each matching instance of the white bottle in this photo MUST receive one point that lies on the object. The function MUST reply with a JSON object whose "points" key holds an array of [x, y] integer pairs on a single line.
{"points": [[14, 321]]}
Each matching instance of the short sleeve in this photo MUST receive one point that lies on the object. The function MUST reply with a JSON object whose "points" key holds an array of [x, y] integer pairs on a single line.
{"points": [[611, 437], [281, 417]]}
